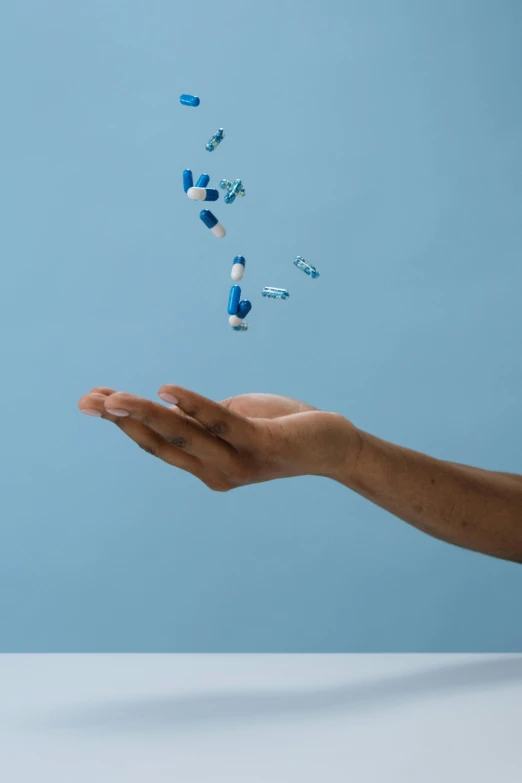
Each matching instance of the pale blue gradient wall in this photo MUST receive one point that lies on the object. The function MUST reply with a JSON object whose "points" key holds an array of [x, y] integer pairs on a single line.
{"points": [[380, 140]]}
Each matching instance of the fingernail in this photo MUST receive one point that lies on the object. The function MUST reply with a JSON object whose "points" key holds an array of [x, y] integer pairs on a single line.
{"points": [[90, 411], [168, 398], [117, 411]]}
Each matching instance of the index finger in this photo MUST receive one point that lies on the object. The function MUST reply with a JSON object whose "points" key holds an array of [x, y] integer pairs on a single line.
{"points": [[226, 424]]}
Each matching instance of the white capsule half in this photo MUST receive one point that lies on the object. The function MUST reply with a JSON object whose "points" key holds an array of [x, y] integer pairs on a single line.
{"points": [[234, 320], [238, 270], [218, 231], [197, 194]]}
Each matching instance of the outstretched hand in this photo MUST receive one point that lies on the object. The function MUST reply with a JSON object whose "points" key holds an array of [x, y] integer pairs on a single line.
{"points": [[242, 440]]}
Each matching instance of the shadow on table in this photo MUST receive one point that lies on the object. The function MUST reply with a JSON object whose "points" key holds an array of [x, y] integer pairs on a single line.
{"points": [[218, 708]]}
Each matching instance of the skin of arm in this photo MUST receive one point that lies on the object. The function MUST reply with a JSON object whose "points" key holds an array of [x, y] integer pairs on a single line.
{"points": [[470, 507], [254, 438]]}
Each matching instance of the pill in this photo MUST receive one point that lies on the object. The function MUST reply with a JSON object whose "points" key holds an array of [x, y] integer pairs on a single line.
{"points": [[244, 308], [306, 267], [234, 321], [275, 293], [242, 326], [203, 181], [238, 268], [233, 300], [203, 194], [216, 139], [188, 182], [212, 223], [237, 189], [189, 100]]}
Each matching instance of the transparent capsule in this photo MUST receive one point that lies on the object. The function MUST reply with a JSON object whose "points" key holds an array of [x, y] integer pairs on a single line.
{"points": [[233, 189], [306, 267], [275, 293], [241, 327], [216, 139]]}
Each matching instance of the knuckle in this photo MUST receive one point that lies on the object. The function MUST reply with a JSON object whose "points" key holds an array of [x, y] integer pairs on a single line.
{"points": [[219, 428], [178, 441], [149, 448]]}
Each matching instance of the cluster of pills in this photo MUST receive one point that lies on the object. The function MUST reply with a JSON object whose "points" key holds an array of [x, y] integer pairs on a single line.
{"points": [[237, 308]]}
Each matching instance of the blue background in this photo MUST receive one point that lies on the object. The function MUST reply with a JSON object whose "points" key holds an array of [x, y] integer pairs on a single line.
{"points": [[380, 140]]}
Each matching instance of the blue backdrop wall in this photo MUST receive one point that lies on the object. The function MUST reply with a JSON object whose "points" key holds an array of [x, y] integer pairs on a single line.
{"points": [[380, 140]]}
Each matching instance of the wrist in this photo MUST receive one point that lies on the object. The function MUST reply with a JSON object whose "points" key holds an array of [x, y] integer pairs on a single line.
{"points": [[343, 445]]}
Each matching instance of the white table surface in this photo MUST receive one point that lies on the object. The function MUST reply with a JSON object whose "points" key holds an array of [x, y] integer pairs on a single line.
{"points": [[270, 718]]}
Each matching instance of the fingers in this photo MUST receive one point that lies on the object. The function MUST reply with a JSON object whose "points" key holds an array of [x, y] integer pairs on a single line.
{"points": [[178, 430], [217, 419], [94, 404]]}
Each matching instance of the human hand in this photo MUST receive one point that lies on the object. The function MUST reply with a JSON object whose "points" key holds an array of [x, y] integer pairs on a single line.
{"points": [[242, 440]]}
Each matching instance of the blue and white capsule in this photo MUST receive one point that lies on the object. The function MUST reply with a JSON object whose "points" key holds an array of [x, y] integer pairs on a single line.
{"points": [[203, 181], [189, 100], [203, 194], [216, 139], [233, 300], [275, 293], [188, 182], [310, 269], [212, 223], [238, 268]]}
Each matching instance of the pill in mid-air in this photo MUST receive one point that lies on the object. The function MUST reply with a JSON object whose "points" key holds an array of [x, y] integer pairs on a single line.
{"points": [[242, 326], [188, 182], [203, 181], [234, 320], [244, 308], [216, 139], [233, 300], [203, 194], [275, 293], [189, 100], [238, 268], [310, 269], [212, 223]]}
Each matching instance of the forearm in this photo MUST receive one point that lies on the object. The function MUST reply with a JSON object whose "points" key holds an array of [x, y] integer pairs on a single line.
{"points": [[469, 507]]}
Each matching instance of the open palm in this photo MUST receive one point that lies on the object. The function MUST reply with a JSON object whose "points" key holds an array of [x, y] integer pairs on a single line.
{"points": [[241, 440]]}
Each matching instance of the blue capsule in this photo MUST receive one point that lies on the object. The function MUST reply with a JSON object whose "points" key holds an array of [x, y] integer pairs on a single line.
{"points": [[275, 293], [188, 182], [233, 300], [241, 327], [212, 223], [310, 270], [244, 308], [238, 268], [203, 181], [216, 139], [189, 100]]}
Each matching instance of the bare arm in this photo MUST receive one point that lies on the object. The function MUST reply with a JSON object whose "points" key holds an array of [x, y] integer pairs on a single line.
{"points": [[260, 437], [469, 507]]}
